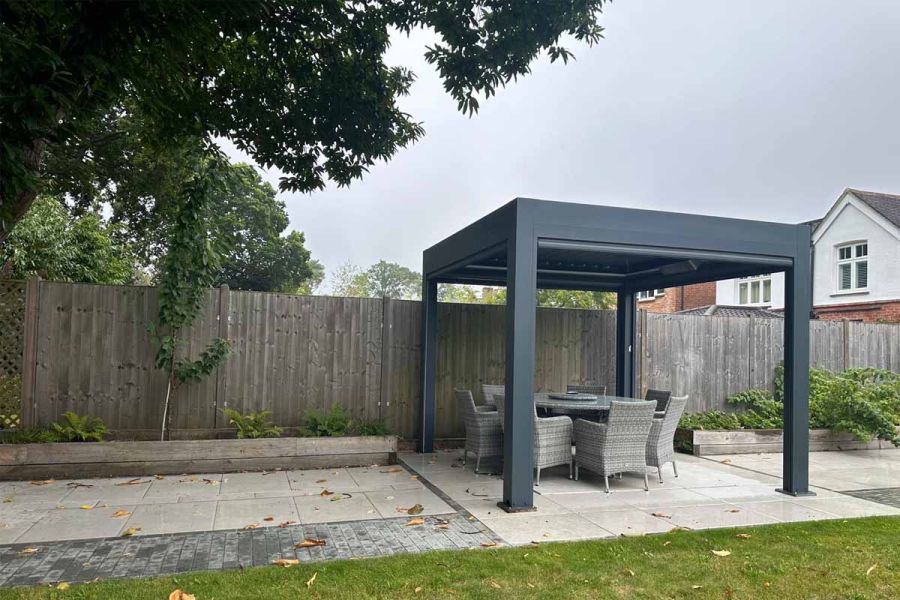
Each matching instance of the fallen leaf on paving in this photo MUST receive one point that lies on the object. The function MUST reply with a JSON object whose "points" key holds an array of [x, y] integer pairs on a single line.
{"points": [[412, 510], [7, 500], [392, 470], [336, 498], [727, 461], [86, 507], [661, 515], [29, 550], [286, 523], [121, 513], [870, 569], [744, 536], [321, 481], [443, 526], [734, 510], [285, 562], [325, 493], [309, 543], [158, 477], [180, 595], [76, 485], [130, 531], [43, 482], [722, 552], [312, 580], [137, 481], [268, 518], [251, 526], [211, 481], [413, 522], [488, 544], [63, 586]]}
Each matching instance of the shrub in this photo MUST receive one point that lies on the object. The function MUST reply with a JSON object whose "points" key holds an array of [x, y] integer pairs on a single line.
{"points": [[374, 427], [252, 425], [29, 435], [75, 428], [334, 423], [10, 401], [711, 419]]}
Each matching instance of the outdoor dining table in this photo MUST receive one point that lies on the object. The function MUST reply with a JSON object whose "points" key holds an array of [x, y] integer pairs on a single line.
{"points": [[578, 403]]}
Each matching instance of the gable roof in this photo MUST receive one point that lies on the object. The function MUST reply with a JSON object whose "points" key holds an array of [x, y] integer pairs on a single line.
{"points": [[887, 205], [720, 310]]}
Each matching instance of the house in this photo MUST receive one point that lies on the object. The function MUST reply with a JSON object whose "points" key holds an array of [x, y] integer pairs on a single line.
{"points": [[677, 299], [856, 264]]}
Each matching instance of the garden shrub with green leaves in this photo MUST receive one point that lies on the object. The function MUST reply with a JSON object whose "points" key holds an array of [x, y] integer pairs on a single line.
{"points": [[337, 422], [252, 425], [75, 428], [861, 401], [10, 401]]}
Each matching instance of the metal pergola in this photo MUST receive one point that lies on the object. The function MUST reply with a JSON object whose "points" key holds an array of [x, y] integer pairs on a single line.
{"points": [[529, 244]]}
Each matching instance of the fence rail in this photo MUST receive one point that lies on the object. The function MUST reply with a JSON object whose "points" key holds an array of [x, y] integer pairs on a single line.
{"points": [[86, 348]]}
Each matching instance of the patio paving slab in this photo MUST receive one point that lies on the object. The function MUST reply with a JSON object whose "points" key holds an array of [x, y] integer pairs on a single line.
{"points": [[711, 517], [258, 512], [322, 509], [387, 502], [628, 522], [76, 523], [255, 483], [152, 519], [525, 529]]}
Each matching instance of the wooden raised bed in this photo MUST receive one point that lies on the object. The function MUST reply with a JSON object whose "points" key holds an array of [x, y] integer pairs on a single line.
{"points": [[752, 441], [106, 459]]}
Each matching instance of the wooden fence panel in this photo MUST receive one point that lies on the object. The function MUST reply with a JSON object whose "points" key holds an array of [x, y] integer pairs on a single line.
{"points": [[92, 354]]}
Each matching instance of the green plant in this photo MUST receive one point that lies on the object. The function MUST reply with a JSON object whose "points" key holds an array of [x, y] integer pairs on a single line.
{"points": [[334, 423], [10, 401], [373, 427], [761, 410], [252, 425], [75, 428], [188, 269], [28, 435]]}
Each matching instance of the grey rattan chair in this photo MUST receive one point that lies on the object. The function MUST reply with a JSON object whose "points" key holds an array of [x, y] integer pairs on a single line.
{"points": [[661, 397], [661, 443], [617, 446], [599, 390], [552, 440], [488, 390], [484, 436]]}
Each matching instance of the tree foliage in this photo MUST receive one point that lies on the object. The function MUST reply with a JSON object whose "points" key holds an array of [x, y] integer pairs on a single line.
{"points": [[557, 298], [50, 244], [299, 86]]}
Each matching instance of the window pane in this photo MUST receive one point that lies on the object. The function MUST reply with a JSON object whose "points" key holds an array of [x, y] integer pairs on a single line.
{"points": [[767, 290], [844, 282], [754, 292], [862, 250], [743, 294], [862, 274], [844, 253]]}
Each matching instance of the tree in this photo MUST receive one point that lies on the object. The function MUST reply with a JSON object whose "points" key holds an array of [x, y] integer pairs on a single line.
{"points": [[389, 280], [48, 243], [557, 298], [188, 270], [345, 280], [461, 294], [315, 279], [299, 86]]}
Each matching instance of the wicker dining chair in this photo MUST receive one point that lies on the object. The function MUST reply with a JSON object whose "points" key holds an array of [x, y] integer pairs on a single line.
{"points": [[552, 440], [661, 397], [597, 390], [489, 390], [661, 443], [484, 435], [617, 446]]}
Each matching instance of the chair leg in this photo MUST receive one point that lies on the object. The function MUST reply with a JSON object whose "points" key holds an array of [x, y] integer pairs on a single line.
{"points": [[537, 478], [606, 482], [675, 468], [659, 472], [465, 455], [570, 469], [576, 471], [477, 461], [646, 482]]}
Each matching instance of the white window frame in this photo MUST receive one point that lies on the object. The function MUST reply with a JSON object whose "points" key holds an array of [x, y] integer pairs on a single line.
{"points": [[858, 254], [647, 295], [757, 284]]}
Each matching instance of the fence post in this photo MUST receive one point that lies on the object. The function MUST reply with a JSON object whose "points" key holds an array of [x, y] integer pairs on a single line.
{"points": [[387, 337], [643, 354], [29, 351], [846, 343], [224, 303]]}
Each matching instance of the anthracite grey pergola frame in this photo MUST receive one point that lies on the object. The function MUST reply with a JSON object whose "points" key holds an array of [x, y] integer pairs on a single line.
{"points": [[529, 244]]}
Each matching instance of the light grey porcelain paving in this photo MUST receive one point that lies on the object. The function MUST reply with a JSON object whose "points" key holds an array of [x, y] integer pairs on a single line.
{"points": [[389, 503], [525, 529], [151, 519], [257, 512], [76, 523], [335, 508]]}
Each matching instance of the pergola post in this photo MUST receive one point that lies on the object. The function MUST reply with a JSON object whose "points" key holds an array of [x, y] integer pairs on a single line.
{"points": [[429, 363], [626, 341], [521, 307], [798, 304]]}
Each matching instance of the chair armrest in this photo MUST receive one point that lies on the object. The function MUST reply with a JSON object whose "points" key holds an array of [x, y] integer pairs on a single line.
{"points": [[482, 408], [655, 429], [590, 432]]}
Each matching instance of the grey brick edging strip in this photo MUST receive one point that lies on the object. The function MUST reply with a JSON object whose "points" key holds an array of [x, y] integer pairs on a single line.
{"points": [[152, 555]]}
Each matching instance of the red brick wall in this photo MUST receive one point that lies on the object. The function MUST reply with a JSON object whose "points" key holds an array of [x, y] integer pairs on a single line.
{"points": [[681, 298], [869, 312]]}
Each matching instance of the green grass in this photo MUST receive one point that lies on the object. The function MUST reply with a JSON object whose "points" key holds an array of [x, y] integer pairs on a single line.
{"points": [[806, 560]]}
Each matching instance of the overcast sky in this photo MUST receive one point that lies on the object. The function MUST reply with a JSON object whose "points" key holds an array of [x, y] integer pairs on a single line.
{"points": [[763, 110]]}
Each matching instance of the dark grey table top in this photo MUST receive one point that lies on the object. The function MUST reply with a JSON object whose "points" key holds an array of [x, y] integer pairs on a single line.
{"points": [[579, 402]]}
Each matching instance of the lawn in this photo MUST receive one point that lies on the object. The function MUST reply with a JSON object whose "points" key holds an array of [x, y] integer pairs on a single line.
{"points": [[857, 558]]}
